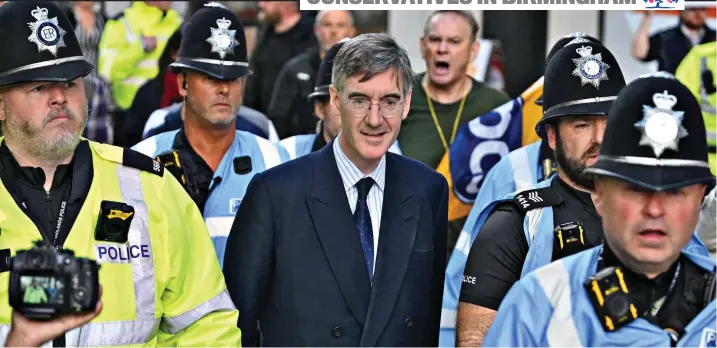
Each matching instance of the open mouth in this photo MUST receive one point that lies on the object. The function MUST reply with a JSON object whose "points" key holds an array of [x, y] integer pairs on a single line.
{"points": [[653, 235], [442, 67]]}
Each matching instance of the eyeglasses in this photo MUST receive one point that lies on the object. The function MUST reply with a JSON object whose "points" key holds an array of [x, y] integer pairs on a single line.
{"points": [[388, 107]]}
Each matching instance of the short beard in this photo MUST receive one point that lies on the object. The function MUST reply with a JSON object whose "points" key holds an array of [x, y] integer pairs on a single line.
{"points": [[190, 102], [574, 168], [32, 142], [691, 26]]}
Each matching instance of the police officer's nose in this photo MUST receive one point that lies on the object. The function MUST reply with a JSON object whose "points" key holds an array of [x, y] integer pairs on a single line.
{"points": [[599, 129], [654, 206], [57, 95]]}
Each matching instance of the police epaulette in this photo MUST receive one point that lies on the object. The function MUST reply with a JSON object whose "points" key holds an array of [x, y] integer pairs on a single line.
{"points": [[138, 160], [537, 198]]}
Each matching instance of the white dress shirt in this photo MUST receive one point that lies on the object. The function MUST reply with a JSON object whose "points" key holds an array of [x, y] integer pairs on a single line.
{"points": [[350, 175]]}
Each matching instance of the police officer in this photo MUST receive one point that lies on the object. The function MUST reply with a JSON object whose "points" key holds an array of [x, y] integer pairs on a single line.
{"points": [[329, 117], [519, 170], [214, 161], [160, 284], [640, 288], [581, 82], [555, 218]]}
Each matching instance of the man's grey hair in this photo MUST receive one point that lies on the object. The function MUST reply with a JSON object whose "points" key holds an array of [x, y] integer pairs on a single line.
{"points": [[369, 55], [320, 15]]}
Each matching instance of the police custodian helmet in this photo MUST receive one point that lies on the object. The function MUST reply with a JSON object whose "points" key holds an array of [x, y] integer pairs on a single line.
{"points": [[213, 43], [39, 44], [655, 136], [323, 78], [560, 44], [582, 78]]}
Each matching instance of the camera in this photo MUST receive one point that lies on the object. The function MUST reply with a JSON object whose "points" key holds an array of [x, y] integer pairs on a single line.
{"points": [[45, 283], [608, 293]]}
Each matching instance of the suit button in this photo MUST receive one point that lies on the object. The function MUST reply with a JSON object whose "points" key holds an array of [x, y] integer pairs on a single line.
{"points": [[409, 322], [337, 332]]}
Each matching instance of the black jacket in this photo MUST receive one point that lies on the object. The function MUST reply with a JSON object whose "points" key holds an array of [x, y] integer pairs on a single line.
{"points": [[290, 109], [272, 51], [301, 274]]}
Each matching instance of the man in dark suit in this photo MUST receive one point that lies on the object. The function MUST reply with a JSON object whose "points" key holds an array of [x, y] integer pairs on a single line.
{"points": [[304, 262]]}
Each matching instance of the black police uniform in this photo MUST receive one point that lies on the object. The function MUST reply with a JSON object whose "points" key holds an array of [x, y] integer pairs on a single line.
{"points": [[499, 251], [321, 89], [222, 55], [657, 154]]}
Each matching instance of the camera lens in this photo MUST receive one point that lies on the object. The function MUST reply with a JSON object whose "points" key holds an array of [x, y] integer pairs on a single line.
{"points": [[617, 305]]}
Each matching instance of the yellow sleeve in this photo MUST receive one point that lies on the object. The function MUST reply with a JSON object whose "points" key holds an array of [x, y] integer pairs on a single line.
{"points": [[197, 308], [688, 72], [118, 54]]}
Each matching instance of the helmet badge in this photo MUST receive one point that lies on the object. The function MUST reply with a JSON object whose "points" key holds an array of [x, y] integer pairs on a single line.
{"points": [[46, 33], [661, 126], [223, 39], [589, 67]]}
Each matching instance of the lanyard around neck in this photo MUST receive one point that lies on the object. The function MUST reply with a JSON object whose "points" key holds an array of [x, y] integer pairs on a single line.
{"points": [[435, 118]]}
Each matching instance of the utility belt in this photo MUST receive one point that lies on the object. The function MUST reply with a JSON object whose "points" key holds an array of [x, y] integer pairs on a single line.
{"points": [[608, 291]]}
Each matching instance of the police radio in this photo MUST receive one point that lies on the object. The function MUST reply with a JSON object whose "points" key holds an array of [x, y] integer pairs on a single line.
{"points": [[569, 239], [608, 293]]}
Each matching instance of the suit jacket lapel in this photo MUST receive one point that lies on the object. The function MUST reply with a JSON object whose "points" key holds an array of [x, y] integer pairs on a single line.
{"points": [[399, 220], [337, 232]]}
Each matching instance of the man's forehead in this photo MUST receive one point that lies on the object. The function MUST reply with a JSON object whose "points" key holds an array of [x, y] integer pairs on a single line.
{"points": [[577, 118], [356, 84], [442, 22], [335, 15]]}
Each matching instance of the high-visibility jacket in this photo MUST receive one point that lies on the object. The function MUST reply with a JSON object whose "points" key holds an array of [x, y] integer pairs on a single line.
{"points": [[700, 59], [35, 294], [228, 186], [300, 145], [551, 308], [122, 60], [164, 286]]}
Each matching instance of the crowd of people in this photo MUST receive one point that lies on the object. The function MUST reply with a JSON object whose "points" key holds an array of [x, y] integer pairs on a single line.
{"points": [[305, 193]]}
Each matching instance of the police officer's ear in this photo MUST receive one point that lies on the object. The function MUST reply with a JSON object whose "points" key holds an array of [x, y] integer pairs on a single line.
{"points": [[551, 130], [598, 193], [2, 106], [319, 108], [182, 84]]}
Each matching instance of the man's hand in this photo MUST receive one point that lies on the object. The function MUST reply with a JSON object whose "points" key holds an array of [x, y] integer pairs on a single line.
{"points": [[30, 333], [149, 43]]}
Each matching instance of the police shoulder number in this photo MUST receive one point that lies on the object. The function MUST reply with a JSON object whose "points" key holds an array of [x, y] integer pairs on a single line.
{"points": [[536, 198], [138, 160]]}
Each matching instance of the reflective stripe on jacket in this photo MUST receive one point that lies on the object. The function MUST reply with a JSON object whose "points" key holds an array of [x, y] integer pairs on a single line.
{"points": [[162, 287]]}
